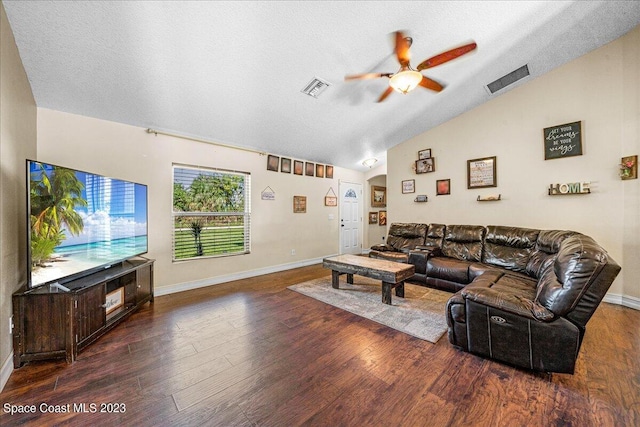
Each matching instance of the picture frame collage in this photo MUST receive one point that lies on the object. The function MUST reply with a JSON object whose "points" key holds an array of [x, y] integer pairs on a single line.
{"points": [[298, 167]]}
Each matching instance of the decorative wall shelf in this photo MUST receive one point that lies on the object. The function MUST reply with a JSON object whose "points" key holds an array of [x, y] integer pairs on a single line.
{"points": [[490, 198]]}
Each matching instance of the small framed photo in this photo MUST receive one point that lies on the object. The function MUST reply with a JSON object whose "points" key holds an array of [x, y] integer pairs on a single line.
{"points": [[299, 204], [426, 165], [424, 154], [373, 217], [481, 173], [285, 165], [298, 167], [443, 187], [382, 218], [310, 169], [320, 171], [378, 197], [408, 186], [328, 171], [273, 162]]}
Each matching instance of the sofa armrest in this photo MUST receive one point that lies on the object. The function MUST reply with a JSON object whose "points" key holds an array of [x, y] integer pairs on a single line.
{"points": [[382, 248], [507, 302]]}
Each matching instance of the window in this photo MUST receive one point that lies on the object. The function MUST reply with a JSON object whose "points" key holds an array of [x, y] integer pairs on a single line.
{"points": [[211, 212]]}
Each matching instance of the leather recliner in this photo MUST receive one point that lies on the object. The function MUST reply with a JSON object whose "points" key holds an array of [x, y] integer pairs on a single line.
{"points": [[522, 296]]}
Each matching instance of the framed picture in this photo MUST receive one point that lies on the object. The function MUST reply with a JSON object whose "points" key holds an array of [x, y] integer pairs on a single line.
{"points": [[443, 187], [114, 300], [426, 165], [629, 167], [330, 201], [424, 154], [481, 173], [320, 171], [408, 186], [562, 141], [378, 197], [299, 204], [298, 167], [382, 218], [285, 165], [328, 171], [373, 217], [273, 162], [310, 169]]}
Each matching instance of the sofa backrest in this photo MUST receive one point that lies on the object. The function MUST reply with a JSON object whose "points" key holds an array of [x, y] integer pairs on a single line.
{"points": [[547, 246], [435, 235], [463, 242], [404, 237], [577, 279], [509, 247]]}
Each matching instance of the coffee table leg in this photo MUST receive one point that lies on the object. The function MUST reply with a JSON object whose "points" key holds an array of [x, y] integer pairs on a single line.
{"points": [[350, 279], [386, 292], [335, 279], [400, 289]]}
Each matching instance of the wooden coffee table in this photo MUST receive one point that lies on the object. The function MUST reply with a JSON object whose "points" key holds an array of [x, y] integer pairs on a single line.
{"points": [[393, 274]]}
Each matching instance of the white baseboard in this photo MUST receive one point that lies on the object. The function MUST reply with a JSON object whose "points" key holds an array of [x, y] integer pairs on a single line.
{"points": [[6, 370], [624, 300], [187, 286]]}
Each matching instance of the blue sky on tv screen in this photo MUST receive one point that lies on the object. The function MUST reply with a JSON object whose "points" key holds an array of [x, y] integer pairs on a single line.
{"points": [[115, 209]]}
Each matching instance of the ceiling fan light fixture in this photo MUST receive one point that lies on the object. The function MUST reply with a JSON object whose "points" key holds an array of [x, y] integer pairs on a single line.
{"points": [[406, 80]]}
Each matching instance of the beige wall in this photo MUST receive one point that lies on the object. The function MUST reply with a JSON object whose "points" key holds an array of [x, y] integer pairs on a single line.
{"points": [[600, 89], [630, 146], [17, 143], [128, 152]]}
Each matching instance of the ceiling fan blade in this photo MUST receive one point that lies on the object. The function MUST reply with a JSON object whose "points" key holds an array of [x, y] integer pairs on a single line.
{"points": [[366, 76], [446, 56], [385, 94], [427, 83], [402, 49]]}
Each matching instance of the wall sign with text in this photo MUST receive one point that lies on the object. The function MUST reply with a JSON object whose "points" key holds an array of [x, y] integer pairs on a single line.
{"points": [[563, 141]]}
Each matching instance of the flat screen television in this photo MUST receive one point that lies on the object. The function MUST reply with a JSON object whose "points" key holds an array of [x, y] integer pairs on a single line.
{"points": [[81, 222]]}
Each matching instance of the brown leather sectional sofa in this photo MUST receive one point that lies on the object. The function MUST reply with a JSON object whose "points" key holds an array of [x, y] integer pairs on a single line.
{"points": [[522, 296]]}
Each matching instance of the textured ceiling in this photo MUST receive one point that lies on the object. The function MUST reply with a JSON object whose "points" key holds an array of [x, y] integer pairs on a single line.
{"points": [[232, 72]]}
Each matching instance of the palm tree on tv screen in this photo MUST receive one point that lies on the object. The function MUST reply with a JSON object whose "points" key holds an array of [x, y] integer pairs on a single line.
{"points": [[54, 198]]}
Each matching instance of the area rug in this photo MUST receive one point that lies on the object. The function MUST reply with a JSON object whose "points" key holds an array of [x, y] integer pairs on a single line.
{"points": [[421, 313]]}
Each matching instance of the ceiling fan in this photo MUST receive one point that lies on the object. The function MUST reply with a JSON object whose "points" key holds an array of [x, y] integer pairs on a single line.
{"points": [[406, 78]]}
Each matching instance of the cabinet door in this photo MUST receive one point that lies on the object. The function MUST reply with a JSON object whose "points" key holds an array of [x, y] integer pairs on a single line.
{"points": [[90, 313], [145, 284]]}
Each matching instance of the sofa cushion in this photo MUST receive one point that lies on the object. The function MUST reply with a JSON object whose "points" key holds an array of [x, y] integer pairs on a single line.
{"points": [[449, 269], [563, 282], [463, 242], [509, 247], [435, 235], [404, 237], [546, 248]]}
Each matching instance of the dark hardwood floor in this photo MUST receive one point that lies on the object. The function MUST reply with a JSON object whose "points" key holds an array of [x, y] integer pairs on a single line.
{"points": [[252, 352]]}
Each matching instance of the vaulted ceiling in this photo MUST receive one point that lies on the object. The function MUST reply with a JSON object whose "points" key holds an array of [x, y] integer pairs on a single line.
{"points": [[233, 72]]}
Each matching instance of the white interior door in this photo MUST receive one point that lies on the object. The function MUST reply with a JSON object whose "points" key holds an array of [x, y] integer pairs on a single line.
{"points": [[350, 218]]}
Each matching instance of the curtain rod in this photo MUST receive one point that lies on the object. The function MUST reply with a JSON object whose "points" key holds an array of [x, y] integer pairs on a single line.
{"points": [[191, 138]]}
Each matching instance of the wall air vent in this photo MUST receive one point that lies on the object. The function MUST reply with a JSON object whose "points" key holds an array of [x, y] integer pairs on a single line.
{"points": [[508, 79], [315, 87]]}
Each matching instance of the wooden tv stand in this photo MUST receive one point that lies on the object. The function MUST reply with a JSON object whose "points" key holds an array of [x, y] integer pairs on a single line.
{"points": [[51, 323]]}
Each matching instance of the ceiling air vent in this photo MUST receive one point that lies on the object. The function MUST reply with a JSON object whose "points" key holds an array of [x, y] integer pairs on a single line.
{"points": [[315, 87], [508, 79]]}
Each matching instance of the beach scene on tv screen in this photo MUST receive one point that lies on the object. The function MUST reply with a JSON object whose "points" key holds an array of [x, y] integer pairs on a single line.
{"points": [[81, 221]]}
